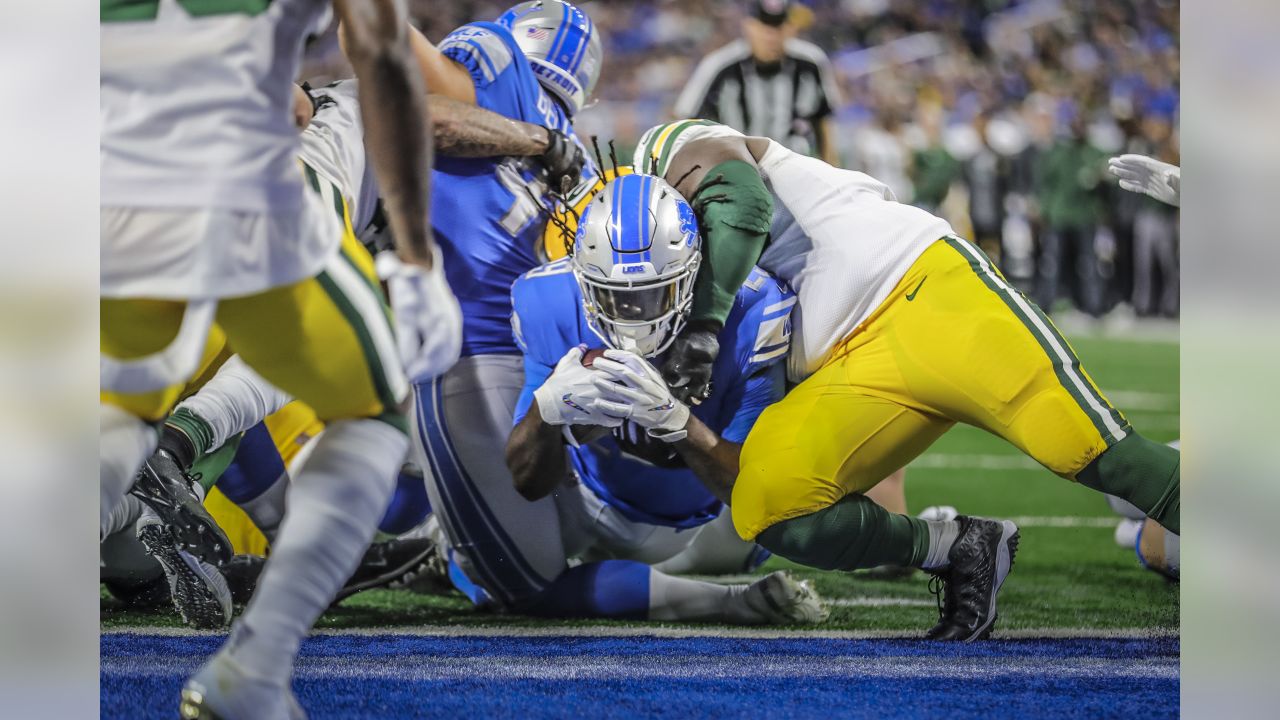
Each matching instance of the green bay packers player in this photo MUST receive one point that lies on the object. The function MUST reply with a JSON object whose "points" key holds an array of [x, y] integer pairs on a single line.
{"points": [[207, 217], [902, 330]]}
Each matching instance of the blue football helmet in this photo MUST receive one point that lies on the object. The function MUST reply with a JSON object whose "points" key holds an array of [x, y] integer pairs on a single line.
{"points": [[561, 44], [635, 258]]}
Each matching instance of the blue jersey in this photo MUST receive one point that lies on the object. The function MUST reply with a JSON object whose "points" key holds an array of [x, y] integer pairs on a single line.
{"points": [[487, 225], [645, 479]]}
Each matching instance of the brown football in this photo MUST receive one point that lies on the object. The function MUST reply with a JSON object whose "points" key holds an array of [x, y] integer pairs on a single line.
{"points": [[589, 357]]}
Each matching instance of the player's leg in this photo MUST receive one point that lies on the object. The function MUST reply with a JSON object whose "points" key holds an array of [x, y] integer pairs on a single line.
{"points": [[776, 598], [980, 352], [327, 341], [507, 545], [801, 493], [716, 550], [132, 329]]}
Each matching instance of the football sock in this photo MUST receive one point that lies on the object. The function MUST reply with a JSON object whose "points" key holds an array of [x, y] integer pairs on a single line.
{"points": [[234, 400], [123, 516], [851, 534], [716, 550], [124, 443], [334, 504], [257, 480], [1145, 473], [409, 503], [942, 535], [675, 598], [629, 590], [617, 589]]}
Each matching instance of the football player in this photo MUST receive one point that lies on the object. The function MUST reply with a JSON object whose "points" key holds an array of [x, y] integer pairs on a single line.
{"points": [[538, 62], [235, 399], [631, 498], [902, 330], [207, 216]]}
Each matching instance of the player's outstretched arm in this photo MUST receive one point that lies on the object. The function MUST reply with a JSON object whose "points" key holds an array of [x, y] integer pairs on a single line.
{"points": [[460, 129], [720, 178], [394, 110]]}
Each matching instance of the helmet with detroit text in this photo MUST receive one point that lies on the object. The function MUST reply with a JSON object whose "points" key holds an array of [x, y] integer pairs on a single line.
{"points": [[635, 257], [561, 44]]}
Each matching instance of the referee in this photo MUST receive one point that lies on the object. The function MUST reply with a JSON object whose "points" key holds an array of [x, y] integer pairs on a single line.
{"points": [[768, 84]]}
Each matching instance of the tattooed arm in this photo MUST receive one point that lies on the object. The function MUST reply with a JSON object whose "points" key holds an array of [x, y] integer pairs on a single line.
{"points": [[465, 130]]}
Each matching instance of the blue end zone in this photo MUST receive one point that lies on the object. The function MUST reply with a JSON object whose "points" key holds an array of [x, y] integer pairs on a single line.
{"points": [[354, 676]]}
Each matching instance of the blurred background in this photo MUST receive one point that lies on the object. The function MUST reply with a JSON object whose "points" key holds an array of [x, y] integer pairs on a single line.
{"points": [[998, 115]]}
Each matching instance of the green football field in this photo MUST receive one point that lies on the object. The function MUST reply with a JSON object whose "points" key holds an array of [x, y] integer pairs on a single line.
{"points": [[1069, 574]]}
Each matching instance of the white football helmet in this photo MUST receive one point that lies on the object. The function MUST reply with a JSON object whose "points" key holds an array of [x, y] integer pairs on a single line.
{"points": [[635, 256], [561, 44]]}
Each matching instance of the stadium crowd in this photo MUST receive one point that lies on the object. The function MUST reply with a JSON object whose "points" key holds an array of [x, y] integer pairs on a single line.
{"points": [[997, 114]]}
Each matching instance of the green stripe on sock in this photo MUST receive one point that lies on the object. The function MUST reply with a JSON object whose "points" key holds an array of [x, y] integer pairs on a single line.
{"points": [[312, 179], [194, 427], [1059, 369], [356, 321]]}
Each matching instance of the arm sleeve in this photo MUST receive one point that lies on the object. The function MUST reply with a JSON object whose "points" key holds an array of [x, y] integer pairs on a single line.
{"points": [[535, 374], [748, 399], [734, 215]]}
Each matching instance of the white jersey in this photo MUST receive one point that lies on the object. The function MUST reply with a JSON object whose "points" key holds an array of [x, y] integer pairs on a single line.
{"points": [[333, 145], [838, 237], [196, 102]]}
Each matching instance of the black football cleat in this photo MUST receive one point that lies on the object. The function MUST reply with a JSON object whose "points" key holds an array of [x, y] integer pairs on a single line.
{"points": [[163, 486], [979, 562], [242, 573], [394, 563], [199, 592]]}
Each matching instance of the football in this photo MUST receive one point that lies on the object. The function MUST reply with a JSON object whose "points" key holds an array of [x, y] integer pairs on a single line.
{"points": [[589, 357]]}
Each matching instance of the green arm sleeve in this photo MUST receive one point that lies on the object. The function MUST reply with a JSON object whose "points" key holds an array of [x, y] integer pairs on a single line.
{"points": [[734, 211]]}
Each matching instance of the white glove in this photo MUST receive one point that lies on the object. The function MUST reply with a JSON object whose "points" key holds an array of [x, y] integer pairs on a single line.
{"points": [[428, 319], [635, 390], [568, 396], [1141, 174]]}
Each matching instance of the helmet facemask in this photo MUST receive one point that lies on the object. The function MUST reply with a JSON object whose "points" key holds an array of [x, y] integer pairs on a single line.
{"points": [[635, 258], [641, 317]]}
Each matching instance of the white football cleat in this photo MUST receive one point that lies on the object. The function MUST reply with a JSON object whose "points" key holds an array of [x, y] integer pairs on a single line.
{"points": [[783, 600], [223, 690]]}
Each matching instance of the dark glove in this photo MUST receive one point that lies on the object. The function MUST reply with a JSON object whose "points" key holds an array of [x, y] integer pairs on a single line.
{"points": [[563, 161], [687, 368]]}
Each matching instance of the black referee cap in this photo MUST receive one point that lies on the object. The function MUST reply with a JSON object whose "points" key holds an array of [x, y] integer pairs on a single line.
{"points": [[771, 12]]}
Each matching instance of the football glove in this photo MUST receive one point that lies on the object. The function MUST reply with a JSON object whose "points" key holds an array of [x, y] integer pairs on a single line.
{"points": [[428, 319], [634, 389], [687, 369], [563, 160], [1141, 174], [568, 396]]}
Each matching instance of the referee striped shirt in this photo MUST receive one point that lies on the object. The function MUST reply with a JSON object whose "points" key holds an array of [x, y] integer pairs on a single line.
{"points": [[785, 101]]}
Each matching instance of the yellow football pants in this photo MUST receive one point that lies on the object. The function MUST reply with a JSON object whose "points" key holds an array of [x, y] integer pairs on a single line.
{"points": [[326, 340], [291, 427], [953, 342]]}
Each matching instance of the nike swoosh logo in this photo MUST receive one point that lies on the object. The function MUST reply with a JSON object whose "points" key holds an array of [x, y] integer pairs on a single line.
{"points": [[912, 295]]}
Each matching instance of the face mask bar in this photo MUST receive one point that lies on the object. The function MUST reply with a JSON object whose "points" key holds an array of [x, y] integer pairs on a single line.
{"points": [[644, 319]]}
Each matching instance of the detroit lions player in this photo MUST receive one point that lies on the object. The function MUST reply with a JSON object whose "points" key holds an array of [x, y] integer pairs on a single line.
{"points": [[538, 63], [633, 498]]}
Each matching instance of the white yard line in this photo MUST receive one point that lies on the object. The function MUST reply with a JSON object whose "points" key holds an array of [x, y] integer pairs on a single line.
{"points": [[1137, 400], [663, 631]]}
